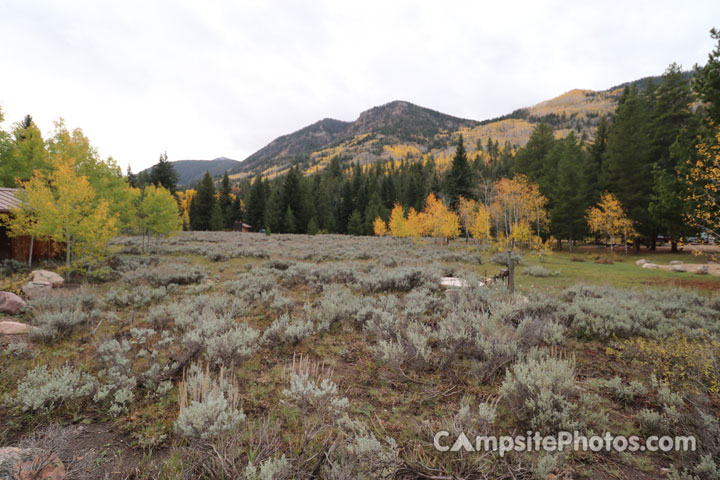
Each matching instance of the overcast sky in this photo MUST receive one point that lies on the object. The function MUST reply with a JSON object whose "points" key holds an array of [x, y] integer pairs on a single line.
{"points": [[208, 78]]}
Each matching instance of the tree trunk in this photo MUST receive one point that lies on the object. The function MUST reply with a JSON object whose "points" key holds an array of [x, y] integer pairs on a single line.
{"points": [[570, 241], [511, 273], [559, 244], [625, 242], [32, 242], [68, 243], [673, 246]]}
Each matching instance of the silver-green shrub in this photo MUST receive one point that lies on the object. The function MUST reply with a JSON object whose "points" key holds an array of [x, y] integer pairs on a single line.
{"points": [[137, 297], [540, 271], [117, 381], [225, 340], [309, 394], [625, 393], [165, 274], [269, 469], [286, 329], [540, 392], [602, 312], [401, 279], [46, 390], [208, 405]]}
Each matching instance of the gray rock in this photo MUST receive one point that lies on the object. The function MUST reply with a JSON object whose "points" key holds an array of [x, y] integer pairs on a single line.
{"points": [[8, 327], [652, 266], [30, 464], [35, 290], [10, 303], [676, 262], [641, 262], [702, 270], [47, 276], [677, 268]]}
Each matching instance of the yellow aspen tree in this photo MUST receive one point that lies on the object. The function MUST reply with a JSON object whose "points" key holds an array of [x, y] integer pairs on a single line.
{"points": [[439, 220], [23, 222], [703, 181], [518, 204], [159, 212], [609, 219], [65, 210], [379, 227], [416, 223], [480, 223], [466, 210], [398, 223]]}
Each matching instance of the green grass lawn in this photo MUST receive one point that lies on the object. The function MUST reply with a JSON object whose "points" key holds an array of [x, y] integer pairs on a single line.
{"points": [[622, 273]]}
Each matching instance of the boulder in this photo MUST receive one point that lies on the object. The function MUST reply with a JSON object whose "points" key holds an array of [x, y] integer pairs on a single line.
{"points": [[641, 262], [47, 276], [13, 328], [677, 268], [35, 290], [11, 303], [676, 262], [30, 464], [702, 270], [650, 265]]}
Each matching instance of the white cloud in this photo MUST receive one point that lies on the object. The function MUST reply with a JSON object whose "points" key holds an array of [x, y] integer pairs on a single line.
{"points": [[205, 79]]}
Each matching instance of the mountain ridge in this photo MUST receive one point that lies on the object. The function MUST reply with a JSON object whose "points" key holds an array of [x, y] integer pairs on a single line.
{"points": [[191, 171], [400, 129]]}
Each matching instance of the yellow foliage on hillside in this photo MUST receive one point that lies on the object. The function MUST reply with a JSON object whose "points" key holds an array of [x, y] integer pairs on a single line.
{"points": [[578, 102], [402, 150]]}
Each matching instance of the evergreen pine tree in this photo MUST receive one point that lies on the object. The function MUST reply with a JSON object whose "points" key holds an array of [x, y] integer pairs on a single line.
{"points": [[217, 221], [459, 179], [312, 228], [570, 200], [164, 174], [225, 202], [627, 166], [530, 159], [596, 152], [273, 215], [289, 221], [131, 177], [672, 120], [355, 223], [202, 206], [236, 213], [256, 204], [706, 81]]}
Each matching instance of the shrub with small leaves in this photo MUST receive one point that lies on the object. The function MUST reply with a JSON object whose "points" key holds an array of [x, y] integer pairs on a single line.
{"points": [[287, 330], [137, 296], [209, 405], [165, 274], [117, 382], [309, 394], [46, 390], [56, 320], [541, 392], [540, 271], [269, 469], [625, 393]]}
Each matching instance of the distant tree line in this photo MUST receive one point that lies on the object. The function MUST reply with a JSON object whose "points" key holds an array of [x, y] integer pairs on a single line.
{"points": [[642, 154]]}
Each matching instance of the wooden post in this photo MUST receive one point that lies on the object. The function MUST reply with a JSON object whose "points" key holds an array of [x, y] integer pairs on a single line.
{"points": [[511, 273]]}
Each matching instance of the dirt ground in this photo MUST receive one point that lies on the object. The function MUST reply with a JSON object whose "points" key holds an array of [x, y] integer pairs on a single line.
{"points": [[91, 451]]}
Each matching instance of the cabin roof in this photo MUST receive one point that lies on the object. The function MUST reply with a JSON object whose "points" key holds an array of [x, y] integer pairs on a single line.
{"points": [[8, 200]]}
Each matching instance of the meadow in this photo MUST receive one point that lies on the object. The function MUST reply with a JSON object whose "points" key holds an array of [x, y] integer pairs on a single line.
{"points": [[249, 356]]}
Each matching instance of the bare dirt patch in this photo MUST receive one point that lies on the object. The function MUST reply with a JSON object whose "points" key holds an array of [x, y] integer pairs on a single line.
{"points": [[88, 451]]}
